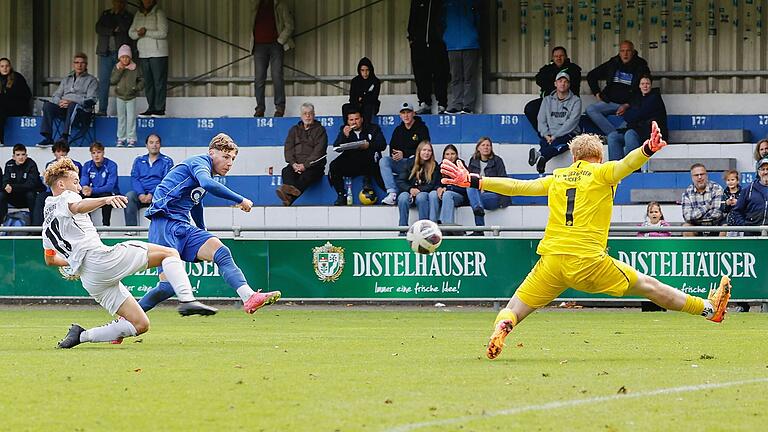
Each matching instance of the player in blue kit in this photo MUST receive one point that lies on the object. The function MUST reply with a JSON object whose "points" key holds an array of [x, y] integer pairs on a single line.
{"points": [[179, 195]]}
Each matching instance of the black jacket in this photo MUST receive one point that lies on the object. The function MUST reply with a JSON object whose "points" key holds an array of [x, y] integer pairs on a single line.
{"points": [[406, 140], [546, 77], [105, 27], [752, 207], [22, 178], [404, 184], [365, 91], [425, 22], [645, 109], [370, 132], [495, 168], [16, 100], [621, 79]]}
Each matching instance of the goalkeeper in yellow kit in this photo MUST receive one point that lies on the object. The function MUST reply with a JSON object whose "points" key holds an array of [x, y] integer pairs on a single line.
{"points": [[573, 250]]}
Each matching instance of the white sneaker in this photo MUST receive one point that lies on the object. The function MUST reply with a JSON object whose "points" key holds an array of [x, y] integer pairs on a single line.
{"points": [[424, 108], [391, 199]]}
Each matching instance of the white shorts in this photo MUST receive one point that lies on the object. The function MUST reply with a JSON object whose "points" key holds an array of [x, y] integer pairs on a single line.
{"points": [[103, 269]]}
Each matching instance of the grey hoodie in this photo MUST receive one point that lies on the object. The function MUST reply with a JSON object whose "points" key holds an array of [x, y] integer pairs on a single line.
{"points": [[559, 117]]}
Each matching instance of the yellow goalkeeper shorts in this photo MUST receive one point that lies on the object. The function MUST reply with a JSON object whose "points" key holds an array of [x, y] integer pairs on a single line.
{"points": [[552, 274]]}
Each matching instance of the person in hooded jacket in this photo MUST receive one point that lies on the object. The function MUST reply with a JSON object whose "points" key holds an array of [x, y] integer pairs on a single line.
{"points": [[647, 106], [752, 206], [364, 92], [558, 122], [21, 182], [545, 79], [621, 74]]}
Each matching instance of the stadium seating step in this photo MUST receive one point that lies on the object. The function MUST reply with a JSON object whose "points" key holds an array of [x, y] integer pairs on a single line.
{"points": [[723, 136], [661, 195], [684, 164]]}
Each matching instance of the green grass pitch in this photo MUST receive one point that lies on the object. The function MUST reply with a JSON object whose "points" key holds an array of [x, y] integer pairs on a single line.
{"points": [[385, 369]]}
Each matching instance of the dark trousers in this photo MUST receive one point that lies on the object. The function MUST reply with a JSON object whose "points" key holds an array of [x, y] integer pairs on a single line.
{"points": [[531, 111], [52, 111], [268, 56], [17, 199], [155, 70], [9, 111], [431, 71], [558, 146], [106, 211], [304, 180], [37, 214], [348, 165]]}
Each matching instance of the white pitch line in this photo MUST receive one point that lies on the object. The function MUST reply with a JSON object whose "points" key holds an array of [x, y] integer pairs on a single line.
{"points": [[572, 403]]}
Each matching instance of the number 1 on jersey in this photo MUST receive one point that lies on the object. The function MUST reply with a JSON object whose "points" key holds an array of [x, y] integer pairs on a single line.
{"points": [[571, 195]]}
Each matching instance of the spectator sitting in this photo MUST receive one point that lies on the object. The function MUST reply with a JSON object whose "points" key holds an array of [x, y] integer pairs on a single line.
{"points": [[60, 150], [272, 36], [761, 149], [419, 177], [364, 92], [654, 218], [76, 92], [112, 28], [622, 76], [487, 164], [558, 123], [128, 82], [701, 202], [462, 19], [750, 209], [305, 151], [429, 58], [357, 161], [646, 107], [146, 173], [99, 179], [150, 30], [21, 182], [449, 195], [545, 79], [15, 97], [402, 146], [731, 195]]}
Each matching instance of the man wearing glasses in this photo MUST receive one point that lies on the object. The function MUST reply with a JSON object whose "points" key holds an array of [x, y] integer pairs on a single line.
{"points": [[77, 91]]}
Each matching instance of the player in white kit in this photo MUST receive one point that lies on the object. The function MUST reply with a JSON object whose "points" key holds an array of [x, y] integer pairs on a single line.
{"points": [[70, 239]]}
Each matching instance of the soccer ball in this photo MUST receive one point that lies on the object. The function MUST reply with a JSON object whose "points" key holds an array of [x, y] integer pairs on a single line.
{"points": [[424, 236], [367, 196]]}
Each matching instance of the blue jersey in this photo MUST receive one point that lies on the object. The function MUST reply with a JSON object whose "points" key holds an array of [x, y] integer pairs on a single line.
{"points": [[184, 188]]}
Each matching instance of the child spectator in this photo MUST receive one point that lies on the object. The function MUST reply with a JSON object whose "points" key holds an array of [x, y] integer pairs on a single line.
{"points": [[730, 197], [125, 77], [364, 92], [449, 195], [654, 218], [420, 176]]}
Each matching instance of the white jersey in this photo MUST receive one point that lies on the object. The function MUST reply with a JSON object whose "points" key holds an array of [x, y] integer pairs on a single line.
{"points": [[70, 235]]}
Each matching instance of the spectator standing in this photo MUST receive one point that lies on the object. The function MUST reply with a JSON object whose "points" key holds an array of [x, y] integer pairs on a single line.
{"points": [[730, 198], [701, 202], [147, 172], [486, 163], [99, 179], [21, 182], [654, 218], [15, 97], [112, 28], [647, 106], [305, 151], [752, 206], [150, 31], [357, 161], [429, 58], [364, 92], [444, 200], [60, 150], [128, 83], [462, 19], [558, 122], [622, 76], [761, 149], [546, 78], [416, 181], [77, 91], [272, 36], [405, 138]]}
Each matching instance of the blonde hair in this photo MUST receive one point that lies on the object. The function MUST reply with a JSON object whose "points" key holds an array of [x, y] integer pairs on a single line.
{"points": [[59, 169], [223, 142], [420, 167], [586, 147]]}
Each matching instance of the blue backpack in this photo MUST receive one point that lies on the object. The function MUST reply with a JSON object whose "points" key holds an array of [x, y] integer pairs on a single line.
{"points": [[16, 219]]}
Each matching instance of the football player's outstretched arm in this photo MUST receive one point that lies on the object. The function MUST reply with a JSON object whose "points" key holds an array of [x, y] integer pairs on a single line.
{"points": [[459, 176], [636, 158], [209, 184], [87, 205], [53, 259]]}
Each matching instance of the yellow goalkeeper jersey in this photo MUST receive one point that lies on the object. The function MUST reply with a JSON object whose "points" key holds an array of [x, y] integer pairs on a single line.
{"points": [[580, 203]]}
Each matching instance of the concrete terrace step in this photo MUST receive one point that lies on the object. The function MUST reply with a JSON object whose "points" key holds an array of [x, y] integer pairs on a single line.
{"points": [[684, 164], [660, 195], [710, 136]]}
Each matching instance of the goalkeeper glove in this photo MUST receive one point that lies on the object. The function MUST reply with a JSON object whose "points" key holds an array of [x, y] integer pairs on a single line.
{"points": [[655, 142], [458, 175]]}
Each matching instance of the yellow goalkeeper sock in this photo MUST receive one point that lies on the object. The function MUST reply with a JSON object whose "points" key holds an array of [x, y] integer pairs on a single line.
{"points": [[693, 305], [506, 314]]}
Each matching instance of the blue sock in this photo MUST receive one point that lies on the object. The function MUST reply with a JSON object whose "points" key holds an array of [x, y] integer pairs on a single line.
{"points": [[231, 273], [161, 292]]}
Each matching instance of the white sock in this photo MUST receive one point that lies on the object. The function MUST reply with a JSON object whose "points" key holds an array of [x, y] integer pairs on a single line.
{"points": [[245, 292], [709, 310], [174, 271], [119, 328]]}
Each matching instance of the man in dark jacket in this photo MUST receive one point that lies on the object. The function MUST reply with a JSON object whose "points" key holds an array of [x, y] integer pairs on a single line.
{"points": [[356, 161], [647, 106], [21, 182], [99, 179], [545, 79], [112, 28], [402, 146], [752, 207], [622, 76], [305, 151], [429, 56]]}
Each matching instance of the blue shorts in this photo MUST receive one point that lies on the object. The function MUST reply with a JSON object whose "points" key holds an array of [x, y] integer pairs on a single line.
{"points": [[186, 238]]}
